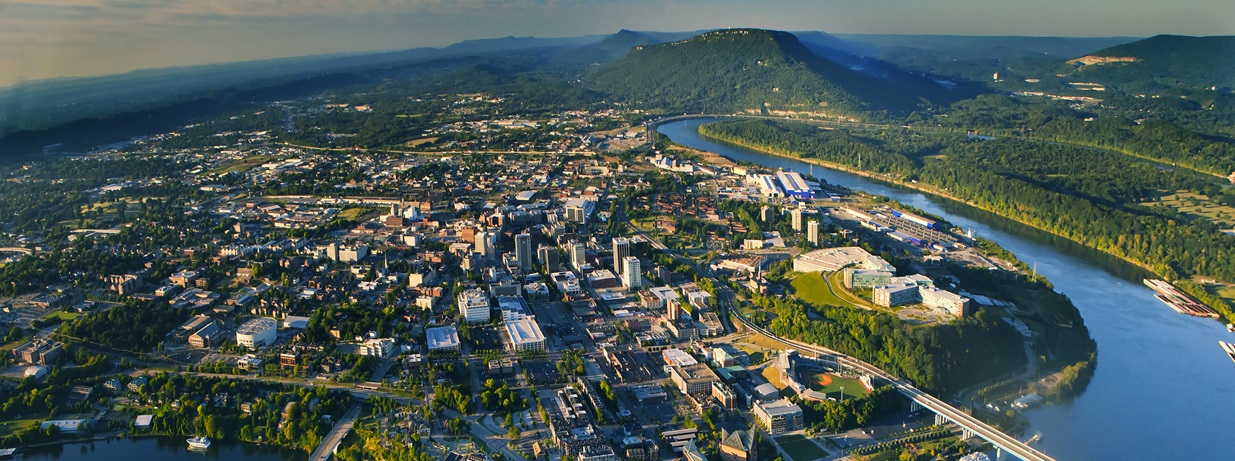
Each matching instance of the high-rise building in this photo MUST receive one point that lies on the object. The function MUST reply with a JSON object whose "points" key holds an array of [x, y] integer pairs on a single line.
{"points": [[484, 244], [812, 232], [523, 250], [765, 213], [548, 257], [796, 213], [621, 249], [578, 255], [632, 276]]}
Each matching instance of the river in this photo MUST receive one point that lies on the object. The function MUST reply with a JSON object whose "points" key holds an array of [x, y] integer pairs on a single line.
{"points": [[157, 448], [1162, 388]]}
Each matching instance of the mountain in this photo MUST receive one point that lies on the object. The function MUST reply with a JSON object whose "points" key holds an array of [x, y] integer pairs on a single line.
{"points": [[749, 70], [973, 58], [1162, 62]]}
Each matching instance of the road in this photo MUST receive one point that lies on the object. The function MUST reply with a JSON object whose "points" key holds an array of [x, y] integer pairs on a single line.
{"points": [[336, 435]]}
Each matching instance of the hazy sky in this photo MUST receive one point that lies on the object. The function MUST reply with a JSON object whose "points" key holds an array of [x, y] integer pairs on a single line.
{"points": [[54, 38]]}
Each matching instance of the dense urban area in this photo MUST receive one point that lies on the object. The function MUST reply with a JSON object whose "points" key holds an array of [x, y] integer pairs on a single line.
{"points": [[513, 268]]}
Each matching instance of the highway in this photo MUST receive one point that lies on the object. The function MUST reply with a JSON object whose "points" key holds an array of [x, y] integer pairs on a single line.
{"points": [[336, 435], [999, 439]]}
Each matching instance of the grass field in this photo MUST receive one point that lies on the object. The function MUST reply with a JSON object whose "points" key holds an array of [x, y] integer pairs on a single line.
{"points": [[1199, 206], [800, 448], [812, 288], [63, 316], [8, 428], [831, 384]]}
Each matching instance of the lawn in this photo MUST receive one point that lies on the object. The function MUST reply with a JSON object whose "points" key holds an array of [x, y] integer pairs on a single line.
{"points": [[1199, 206], [828, 383], [62, 315], [812, 288], [8, 428], [800, 448]]}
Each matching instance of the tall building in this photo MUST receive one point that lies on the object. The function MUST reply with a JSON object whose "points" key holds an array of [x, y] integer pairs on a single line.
{"points": [[484, 244], [578, 255], [621, 249], [796, 213], [523, 250], [812, 232], [765, 213], [631, 274], [548, 257]]}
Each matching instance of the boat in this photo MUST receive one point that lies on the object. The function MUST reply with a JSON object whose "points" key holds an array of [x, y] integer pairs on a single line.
{"points": [[1178, 300], [1228, 348], [199, 443]]}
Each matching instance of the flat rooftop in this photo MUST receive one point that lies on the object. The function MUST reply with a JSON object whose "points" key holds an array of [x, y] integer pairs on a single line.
{"points": [[524, 331]]}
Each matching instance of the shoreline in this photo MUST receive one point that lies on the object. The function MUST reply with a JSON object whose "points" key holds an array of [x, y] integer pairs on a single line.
{"points": [[918, 187]]}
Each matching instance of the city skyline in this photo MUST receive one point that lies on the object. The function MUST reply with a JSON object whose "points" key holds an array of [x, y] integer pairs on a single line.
{"points": [[76, 38]]}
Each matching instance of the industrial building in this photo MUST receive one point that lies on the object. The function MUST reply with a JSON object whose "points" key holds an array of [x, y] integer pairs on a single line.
{"points": [[794, 186], [257, 333]]}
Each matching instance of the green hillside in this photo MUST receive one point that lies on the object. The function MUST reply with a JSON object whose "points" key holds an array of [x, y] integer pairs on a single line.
{"points": [[744, 70], [1164, 61]]}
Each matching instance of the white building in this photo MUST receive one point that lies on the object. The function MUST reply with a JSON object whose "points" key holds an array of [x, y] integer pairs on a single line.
{"points": [[376, 347], [442, 338], [524, 335], [474, 306], [257, 333], [796, 214], [578, 255], [812, 232], [632, 275], [834, 259]]}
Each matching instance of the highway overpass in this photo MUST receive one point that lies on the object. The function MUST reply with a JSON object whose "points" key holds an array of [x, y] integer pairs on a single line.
{"points": [[970, 426]]}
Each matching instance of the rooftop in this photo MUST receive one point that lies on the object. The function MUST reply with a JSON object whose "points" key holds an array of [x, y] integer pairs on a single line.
{"points": [[524, 331]]}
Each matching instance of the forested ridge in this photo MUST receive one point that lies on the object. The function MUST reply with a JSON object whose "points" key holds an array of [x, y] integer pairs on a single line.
{"points": [[1086, 195]]}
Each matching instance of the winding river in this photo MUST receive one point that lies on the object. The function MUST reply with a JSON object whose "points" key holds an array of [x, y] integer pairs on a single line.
{"points": [[1162, 388]]}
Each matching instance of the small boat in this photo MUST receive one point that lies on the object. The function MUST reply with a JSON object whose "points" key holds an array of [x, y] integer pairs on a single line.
{"points": [[1228, 348], [199, 443], [1230, 327]]}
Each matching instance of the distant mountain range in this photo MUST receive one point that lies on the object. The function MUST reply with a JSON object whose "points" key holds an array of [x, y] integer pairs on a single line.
{"points": [[723, 70]]}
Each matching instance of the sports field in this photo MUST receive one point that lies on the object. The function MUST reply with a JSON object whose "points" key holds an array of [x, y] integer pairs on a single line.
{"points": [[831, 384]]}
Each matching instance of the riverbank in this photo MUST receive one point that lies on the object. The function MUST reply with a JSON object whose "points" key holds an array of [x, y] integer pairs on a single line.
{"points": [[1193, 380], [1221, 306]]}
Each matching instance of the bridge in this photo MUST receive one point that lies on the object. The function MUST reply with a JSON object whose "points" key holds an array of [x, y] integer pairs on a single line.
{"points": [[944, 412], [332, 440]]}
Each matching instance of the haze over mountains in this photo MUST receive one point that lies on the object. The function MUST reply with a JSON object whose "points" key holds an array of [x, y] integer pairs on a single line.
{"points": [[728, 70]]}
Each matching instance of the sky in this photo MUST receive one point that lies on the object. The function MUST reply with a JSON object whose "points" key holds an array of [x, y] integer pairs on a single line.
{"points": [[41, 39]]}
